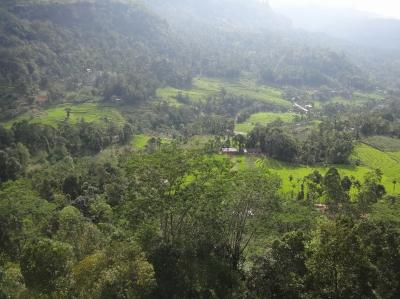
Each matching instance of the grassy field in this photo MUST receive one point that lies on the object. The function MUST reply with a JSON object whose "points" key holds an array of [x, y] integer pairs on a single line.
{"points": [[140, 141], [204, 87], [364, 96], [383, 143], [263, 118], [358, 98], [285, 171], [297, 173], [198, 141], [388, 162], [370, 158], [90, 112]]}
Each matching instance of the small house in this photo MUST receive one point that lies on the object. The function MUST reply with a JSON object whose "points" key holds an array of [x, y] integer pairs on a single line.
{"points": [[321, 207], [300, 108], [233, 151], [229, 151]]}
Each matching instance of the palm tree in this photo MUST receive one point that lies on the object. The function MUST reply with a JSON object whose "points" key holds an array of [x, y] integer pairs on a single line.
{"points": [[68, 111], [293, 185]]}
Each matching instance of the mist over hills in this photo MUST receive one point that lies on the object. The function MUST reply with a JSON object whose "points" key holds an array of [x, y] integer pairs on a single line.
{"points": [[196, 149], [145, 45], [227, 14], [48, 47], [358, 27]]}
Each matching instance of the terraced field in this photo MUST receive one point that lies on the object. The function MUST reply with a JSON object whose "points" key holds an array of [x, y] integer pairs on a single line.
{"points": [[263, 118], [388, 162], [368, 157], [358, 98], [140, 141], [204, 87], [297, 173], [383, 143], [90, 112]]}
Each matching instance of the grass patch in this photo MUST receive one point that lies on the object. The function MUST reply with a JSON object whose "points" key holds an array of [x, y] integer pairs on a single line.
{"points": [[388, 162], [365, 96], [244, 127], [205, 87], [90, 112], [198, 141], [370, 158], [285, 171], [140, 141], [383, 143], [358, 98], [263, 118], [386, 211]]}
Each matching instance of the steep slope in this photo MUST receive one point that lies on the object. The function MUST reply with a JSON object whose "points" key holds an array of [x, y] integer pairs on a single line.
{"points": [[359, 27], [236, 37], [124, 49], [247, 15], [82, 44]]}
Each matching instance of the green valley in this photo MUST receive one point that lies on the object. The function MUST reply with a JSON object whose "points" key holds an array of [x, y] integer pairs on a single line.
{"points": [[186, 149]]}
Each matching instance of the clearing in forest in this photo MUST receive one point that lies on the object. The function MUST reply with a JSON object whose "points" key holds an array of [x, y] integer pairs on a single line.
{"points": [[263, 118], [89, 112], [387, 162], [140, 141], [383, 143], [366, 156], [203, 87]]}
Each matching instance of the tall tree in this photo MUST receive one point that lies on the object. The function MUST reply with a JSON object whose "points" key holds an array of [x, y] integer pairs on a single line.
{"points": [[44, 264], [338, 266], [253, 194], [334, 193]]}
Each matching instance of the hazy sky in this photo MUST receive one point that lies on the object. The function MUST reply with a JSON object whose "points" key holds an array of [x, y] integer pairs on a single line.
{"points": [[387, 8]]}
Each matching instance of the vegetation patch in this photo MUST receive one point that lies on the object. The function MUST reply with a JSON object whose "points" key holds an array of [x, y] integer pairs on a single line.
{"points": [[358, 98], [388, 163], [368, 96], [205, 87], [89, 112], [383, 143], [140, 141], [369, 158], [292, 176], [263, 118], [198, 141]]}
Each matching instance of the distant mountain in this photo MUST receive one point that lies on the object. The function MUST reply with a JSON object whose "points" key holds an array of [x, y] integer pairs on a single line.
{"points": [[226, 14], [236, 37], [46, 46], [358, 27], [53, 49]]}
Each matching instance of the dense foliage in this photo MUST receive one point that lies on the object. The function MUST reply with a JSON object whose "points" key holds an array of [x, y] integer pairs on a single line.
{"points": [[114, 49], [146, 205], [171, 223]]}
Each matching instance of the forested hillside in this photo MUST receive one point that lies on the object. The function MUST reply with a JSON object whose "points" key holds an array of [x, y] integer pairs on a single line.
{"points": [[50, 50], [89, 47], [184, 149], [268, 49]]}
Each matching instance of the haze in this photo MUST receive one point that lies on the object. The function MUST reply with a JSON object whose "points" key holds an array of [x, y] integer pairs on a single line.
{"points": [[385, 8]]}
